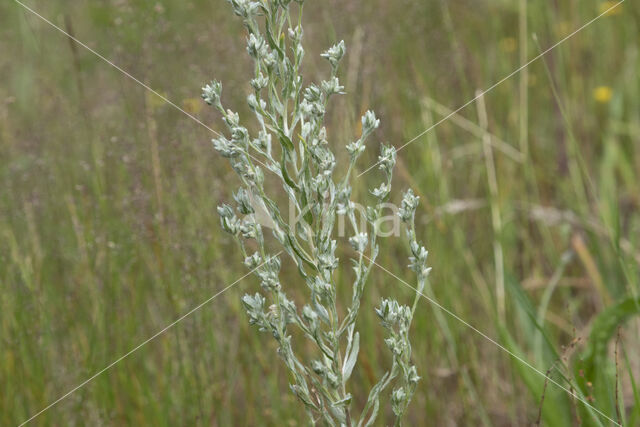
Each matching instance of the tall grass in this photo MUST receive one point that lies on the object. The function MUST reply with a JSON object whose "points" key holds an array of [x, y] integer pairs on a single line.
{"points": [[108, 228]]}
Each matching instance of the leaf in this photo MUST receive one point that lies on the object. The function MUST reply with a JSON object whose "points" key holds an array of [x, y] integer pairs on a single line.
{"points": [[272, 42], [373, 401], [306, 209], [285, 141], [635, 413], [287, 148], [592, 364], [556, 407], [352, 357], [302, 394], [285, 172], [343, 402], [339, 413], [526, 306], [294, 246], [604, 327]]}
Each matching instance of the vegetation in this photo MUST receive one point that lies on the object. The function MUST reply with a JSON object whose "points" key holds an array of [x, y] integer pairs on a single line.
{"points": [[287, 111], [529, 207]]}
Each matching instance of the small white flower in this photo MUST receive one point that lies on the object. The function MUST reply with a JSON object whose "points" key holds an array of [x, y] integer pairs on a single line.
{"points": [[334, 54], [252, 261], [225, 147], [408, 206], [355, 148], [313, 94], [211, 93], [359, 242], [332, 86], [245, 8], [382, 191], [387, 159], [259, 82], [257, 105], [256, 46], [245, 205], [369, 123]]}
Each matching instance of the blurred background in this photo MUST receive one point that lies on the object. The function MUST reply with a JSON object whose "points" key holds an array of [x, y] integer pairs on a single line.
{"points": [[529, 207]]}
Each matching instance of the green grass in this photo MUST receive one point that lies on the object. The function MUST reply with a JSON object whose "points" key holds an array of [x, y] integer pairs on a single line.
{"points": [[108, 230]]}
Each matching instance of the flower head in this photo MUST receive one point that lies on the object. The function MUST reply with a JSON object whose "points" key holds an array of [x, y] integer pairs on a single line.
{"points": [[369, 123], [332, 86], [408, 206], [243, 198], [387, 159], [334, 54], [382, 191], [226, 148], [603, 94], [245, 8], [359, 241], [211, 93], [256, 46], [228, 219]]}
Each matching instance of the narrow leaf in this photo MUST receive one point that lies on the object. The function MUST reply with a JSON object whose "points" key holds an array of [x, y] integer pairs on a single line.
{"points": [[352, 357]]}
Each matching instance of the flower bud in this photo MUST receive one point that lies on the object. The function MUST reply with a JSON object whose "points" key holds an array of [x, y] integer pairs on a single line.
{"points": [[334, 54], [252, 261], [408, 206], [332, 86], [398, 398], [387, 159], [243, 198], [211, 93], [259, 82], [382, 191], [369, 123], [359, 242]]}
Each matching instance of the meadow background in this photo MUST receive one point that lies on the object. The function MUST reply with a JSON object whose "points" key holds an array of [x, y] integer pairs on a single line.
{"points": [[108, 229]]}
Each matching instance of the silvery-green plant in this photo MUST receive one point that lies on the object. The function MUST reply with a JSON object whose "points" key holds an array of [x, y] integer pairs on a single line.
{"points": [[293, 114]]}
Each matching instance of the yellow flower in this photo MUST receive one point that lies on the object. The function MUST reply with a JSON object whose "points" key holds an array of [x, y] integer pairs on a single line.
{"points": [[508, 44], [602, 94], [608, 8], [154, 101], [564, 28], [192, 105]]}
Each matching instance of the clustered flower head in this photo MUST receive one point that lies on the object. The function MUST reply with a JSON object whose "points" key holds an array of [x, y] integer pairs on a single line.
{"points": [[369, 123], [408, 207], [419, 259], [387, 159], [355, 149], [359, 241], [291, 142], [335, 54], [255, 308], [392, 314], [226, 148], [211, 93], [244, 201], [256, 46], [382, 191], [228, 219], [245, 8]]}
